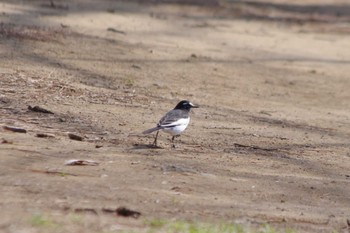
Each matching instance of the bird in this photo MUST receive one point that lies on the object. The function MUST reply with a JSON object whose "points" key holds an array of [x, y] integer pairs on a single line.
{"points": [[173, 122]]}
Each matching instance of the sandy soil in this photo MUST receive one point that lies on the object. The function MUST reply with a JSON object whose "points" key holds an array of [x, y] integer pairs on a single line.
{"points": [[270, 143]]}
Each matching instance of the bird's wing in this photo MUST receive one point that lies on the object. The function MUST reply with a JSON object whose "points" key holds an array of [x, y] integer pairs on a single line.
{"points": [[173, 118]]}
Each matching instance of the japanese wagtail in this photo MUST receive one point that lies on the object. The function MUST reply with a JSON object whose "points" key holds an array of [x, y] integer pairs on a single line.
{"points": [[174, 122]]}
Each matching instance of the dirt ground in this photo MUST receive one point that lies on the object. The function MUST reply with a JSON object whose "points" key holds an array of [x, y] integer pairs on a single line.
{"points": [[270, 143]]}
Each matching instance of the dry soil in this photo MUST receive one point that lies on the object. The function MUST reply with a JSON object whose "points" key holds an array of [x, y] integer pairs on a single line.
{"points": [[269, 144]]}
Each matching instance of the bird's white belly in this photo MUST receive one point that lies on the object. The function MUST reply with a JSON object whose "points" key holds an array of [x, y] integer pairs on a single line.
{"points": [[181, 125]]}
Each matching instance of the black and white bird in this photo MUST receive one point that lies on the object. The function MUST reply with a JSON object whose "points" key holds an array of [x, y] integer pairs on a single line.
{"points": [[174, 122]]}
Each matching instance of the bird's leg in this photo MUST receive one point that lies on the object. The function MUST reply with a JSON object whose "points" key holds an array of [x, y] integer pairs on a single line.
{"points": [[172, 140], [155, 139]]}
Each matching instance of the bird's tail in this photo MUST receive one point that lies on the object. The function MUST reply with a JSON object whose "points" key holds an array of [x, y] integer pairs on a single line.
{"points": [[151, 130]]}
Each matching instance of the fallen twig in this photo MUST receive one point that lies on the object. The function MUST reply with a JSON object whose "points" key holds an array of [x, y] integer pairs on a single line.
{"points": [[116, 31], [122, 211], [44, 135], [254, 147], [75, 137], [86, 210], [4, 141], [15, 129], [39, 109], [52, 172], [222, 127]]}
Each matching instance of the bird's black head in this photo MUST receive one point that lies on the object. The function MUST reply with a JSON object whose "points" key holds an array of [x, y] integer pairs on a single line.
{"points": [[185, 105]]}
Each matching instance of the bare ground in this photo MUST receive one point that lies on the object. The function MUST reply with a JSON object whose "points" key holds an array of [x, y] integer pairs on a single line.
{"points": [[270, 143]]}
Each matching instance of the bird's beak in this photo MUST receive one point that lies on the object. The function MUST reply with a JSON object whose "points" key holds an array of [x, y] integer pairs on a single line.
{"points": [[194, 106]]}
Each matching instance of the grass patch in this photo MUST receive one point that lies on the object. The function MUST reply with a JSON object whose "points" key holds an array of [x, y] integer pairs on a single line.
{"points": [[66, 223], [40, 221], [160, 226], [156, 223], [129, 82]]}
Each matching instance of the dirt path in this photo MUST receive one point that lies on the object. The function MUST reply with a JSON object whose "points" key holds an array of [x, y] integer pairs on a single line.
{"points": [[270, 143]]}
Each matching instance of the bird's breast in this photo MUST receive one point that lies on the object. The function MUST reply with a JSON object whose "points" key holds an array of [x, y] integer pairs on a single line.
{"points": [[178, 127]]}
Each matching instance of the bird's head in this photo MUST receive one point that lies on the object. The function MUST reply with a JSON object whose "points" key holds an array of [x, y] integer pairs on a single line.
{"points": [[185, 105]]}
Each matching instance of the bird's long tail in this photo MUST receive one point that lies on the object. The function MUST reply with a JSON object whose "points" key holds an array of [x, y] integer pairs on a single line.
{"points": [[151, 130]]}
